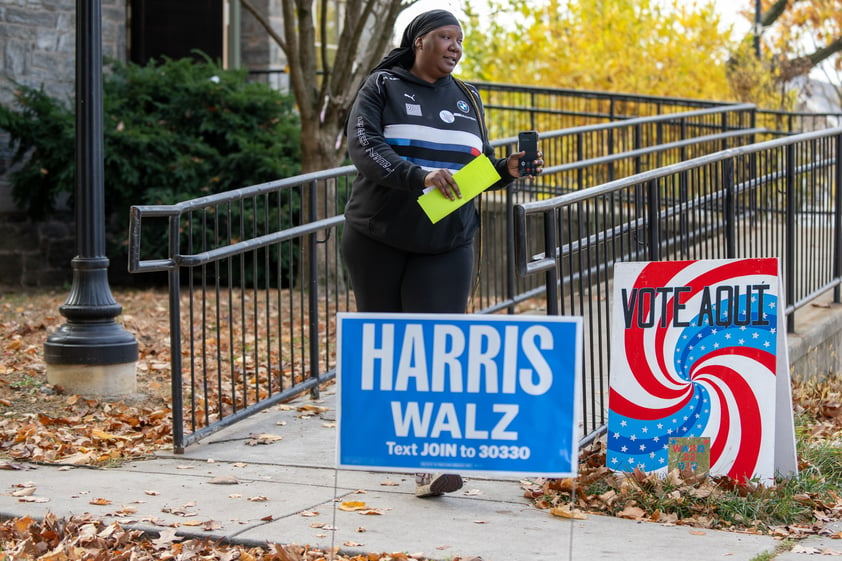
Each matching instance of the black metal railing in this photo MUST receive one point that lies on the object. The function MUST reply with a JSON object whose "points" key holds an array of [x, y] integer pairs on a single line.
{"points": [[511, 107], [256, 277], [780, 198], [516, 107]]}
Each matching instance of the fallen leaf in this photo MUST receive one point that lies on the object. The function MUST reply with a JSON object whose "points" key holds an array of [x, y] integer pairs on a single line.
{"points": [[566, 512], [14, 466], [312, 408], [125, 511], [632, 513], [262, 438], [352, 506], [102, 435], [211, 525], [79, 458], [224, 480], [33, 500], [99, 502], [166, 538], [258, 499]]}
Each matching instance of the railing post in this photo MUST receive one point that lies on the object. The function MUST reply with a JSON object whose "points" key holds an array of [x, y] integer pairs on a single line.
{"points": [[638, 144], [684, 221], [789, 247], [175, 362], [683, 129], [837, 219], [534, 103], [551, 225], [313, 292], [176, 386], [724, 141], [659, 140], [729, 210], [510, 249], [654, 202]]}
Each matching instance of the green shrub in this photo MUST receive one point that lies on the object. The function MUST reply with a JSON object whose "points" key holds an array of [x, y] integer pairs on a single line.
{"points": [[173, 130]]}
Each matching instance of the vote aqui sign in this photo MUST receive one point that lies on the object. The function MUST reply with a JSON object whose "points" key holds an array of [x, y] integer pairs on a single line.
{"points": [[700, 370], [448, 392]]}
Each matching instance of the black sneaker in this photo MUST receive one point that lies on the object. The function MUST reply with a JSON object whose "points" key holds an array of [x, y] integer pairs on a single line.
{"points": [[435, 484]]}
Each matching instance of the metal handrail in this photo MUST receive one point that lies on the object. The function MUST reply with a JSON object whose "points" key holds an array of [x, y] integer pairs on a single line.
{"points": [[206, 266]]}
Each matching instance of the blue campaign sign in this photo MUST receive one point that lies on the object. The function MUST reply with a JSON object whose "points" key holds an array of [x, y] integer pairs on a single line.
{"points": [[447, 392]]}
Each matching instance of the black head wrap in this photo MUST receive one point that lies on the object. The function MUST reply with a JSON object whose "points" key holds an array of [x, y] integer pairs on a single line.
{"points": [[422, 24]]}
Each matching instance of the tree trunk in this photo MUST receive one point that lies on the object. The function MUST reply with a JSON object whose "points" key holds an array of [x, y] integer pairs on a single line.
{"points": [[324, 93], [317, 155]]}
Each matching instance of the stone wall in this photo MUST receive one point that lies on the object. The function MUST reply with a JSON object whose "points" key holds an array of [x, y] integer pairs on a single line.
{"points": [[38, 49]]}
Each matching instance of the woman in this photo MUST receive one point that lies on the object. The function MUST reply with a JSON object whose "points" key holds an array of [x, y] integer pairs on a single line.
{"points": [[411, 127]]}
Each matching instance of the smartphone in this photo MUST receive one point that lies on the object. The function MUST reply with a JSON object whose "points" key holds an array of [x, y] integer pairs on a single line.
{"points": [[528, 141]]}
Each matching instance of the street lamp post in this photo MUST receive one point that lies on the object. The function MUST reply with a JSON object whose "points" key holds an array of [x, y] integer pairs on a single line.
{"points": [[91, 353]]}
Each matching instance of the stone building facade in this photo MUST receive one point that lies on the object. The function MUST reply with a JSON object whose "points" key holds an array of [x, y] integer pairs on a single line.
{"points": [[37, 49]]}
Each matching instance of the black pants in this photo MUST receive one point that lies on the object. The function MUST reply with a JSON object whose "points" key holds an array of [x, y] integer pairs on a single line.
{"points": [[390, 280]]}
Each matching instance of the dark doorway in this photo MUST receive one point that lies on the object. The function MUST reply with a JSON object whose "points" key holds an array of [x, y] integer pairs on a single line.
{"points": [[175, 29]]}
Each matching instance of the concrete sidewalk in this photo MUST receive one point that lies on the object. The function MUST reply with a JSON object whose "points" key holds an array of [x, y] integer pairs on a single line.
{"points": [[287, 492]]}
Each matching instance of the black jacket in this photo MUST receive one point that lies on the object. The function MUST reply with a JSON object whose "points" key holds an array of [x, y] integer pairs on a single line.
{"points": [[399, 129]]}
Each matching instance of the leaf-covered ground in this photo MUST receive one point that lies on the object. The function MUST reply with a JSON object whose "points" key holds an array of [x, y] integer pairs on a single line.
{"points": [[41, 423]]}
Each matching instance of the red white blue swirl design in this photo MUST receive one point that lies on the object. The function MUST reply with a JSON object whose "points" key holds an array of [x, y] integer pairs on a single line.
{"points": [[697, 344]]}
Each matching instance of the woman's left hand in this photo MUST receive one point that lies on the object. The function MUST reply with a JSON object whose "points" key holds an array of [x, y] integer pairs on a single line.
{"points": [[513, 161]]}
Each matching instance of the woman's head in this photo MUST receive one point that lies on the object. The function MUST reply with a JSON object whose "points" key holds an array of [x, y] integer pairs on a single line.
{"points": [[426, 22], [436, 39], [418, 39]]}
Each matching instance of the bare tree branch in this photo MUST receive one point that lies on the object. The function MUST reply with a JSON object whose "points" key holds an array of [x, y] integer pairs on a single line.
{"points": [[323, 91], [771, 15]]}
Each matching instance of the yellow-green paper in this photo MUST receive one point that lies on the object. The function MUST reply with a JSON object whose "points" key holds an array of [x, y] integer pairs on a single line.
{"points": [[472, 179]]}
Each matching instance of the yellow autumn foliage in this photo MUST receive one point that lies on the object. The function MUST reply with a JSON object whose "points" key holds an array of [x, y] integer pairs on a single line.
{"points": [[669, 48]]}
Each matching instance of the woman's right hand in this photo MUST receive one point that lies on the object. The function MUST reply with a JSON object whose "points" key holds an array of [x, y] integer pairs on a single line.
{"points": [[442, 180]]}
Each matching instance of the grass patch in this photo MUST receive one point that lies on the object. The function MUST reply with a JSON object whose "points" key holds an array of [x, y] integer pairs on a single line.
{"points": [[791, 507]]}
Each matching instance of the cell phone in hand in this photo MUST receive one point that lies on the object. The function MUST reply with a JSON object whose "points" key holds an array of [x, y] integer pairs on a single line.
{"points": [[528, 141]]}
